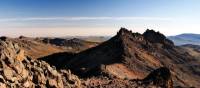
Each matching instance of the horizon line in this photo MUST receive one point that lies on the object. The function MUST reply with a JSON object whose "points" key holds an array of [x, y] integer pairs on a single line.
{"points": [[80, 18]]}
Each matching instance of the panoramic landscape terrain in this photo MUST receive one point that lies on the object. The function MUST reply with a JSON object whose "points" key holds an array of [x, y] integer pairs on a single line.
{"points": [[128, 59], [99, 44]]}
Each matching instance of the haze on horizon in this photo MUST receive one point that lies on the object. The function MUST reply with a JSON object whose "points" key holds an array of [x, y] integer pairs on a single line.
{"points": [[97, 17]]}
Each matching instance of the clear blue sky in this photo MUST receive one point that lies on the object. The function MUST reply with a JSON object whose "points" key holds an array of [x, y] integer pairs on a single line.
{"points": [[97, 17]]}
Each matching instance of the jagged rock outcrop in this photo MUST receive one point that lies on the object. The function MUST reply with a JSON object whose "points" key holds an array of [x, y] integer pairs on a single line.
{"points": [[156, 37], [19, 71], [160, 77]]}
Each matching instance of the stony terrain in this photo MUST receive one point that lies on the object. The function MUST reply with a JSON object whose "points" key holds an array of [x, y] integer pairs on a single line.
{"points": [[127, 60], [19, 71]]}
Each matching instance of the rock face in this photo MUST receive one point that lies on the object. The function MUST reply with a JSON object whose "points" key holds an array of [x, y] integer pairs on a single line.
{"points": [[132, 56], [160, 77], [19, 71]]}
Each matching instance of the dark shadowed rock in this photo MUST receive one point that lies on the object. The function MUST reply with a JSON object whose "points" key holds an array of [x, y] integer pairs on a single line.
{"points": [[22, 37], [160, 77], [3, 38], [157, 37]]}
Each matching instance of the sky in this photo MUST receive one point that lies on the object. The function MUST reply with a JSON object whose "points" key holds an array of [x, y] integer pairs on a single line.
{"points": [[38, 18]]}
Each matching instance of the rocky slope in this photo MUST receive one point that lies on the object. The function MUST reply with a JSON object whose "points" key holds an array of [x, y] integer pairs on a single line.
{"points": [[19, 71], [133, 56]]}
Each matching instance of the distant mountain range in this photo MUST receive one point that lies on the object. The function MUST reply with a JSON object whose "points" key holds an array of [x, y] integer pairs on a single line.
{"points": [[186, 38]]}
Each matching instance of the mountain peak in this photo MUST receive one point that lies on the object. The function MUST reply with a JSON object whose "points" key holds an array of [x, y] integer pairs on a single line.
{"points": [[124, 31], [156, 37], [127, 35], [153, 36]]}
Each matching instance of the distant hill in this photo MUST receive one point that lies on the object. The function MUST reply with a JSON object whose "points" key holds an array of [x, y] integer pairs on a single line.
{"points": [[74, 44], [186, 38]]}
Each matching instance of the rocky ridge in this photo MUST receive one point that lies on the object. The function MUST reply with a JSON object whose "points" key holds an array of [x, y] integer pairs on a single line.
{"points": [[131, 56]]}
